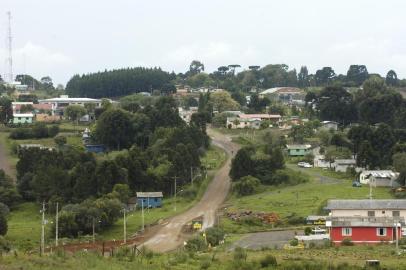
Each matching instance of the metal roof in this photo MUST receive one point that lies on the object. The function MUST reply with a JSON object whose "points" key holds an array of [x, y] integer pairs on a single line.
{"points": [[298, 146], [149, 195], [23, 115], [365, 221], [365, 204], [64, 99]]}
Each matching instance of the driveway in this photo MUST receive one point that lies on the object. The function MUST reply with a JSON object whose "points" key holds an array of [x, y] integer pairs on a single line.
{"points": [[261, 240]]}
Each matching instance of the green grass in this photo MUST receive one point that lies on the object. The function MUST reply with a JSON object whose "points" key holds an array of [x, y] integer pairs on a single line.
{"points": [[24, 225], [213, 158]]}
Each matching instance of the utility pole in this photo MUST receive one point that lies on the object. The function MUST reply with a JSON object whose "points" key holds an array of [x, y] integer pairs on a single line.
{"points": [[125, 227], [191, 175], [93, 231], [175, 191], [43, 229], [10, 49], [142, 214], [56, 224]]}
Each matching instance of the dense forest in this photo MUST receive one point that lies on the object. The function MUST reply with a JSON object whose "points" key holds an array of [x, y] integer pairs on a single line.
{"points": [[120, 82]]}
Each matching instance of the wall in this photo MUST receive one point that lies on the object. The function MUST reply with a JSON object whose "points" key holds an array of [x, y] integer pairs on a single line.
{"points": [[363, 235], [364, 213]]}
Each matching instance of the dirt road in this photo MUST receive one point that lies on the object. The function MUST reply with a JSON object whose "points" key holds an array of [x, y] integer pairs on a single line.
{"points": [[169, 237], [261, 240]]}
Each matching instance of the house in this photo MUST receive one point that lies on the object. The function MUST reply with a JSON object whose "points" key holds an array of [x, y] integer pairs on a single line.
{"points": [[149, 199], [379, 178], [316, 220], [299, 149], [59, 104], [365, 230], [251, 120], [320, 161], [95, 148], [186, 115], [367, 208], [22, 118], [328, 125], [341, 165], [285, 94]]}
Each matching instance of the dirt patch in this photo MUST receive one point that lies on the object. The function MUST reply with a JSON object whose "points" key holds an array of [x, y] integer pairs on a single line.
{"points": [[5, 164]]}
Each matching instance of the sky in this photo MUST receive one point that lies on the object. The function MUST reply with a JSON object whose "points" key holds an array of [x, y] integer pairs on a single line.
{"points": [[61, 38]]}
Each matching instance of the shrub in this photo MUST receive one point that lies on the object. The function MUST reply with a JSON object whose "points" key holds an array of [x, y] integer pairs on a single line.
{"points": [[240, 254], [214, 236], [308, 231], [196, 244], [246, 185], [3, 224], [347, 242], [60, 140], [268, 260], [294, 219], [205, 265], [294, 242], [4, 245]]}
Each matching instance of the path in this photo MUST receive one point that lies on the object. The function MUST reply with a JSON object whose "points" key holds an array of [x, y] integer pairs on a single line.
{"points": [[169, 237], [322, 179]]}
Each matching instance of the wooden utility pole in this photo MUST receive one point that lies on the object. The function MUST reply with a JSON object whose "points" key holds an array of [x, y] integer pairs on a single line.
{"points": [[56, 224], [43, 229], [125, 227]]}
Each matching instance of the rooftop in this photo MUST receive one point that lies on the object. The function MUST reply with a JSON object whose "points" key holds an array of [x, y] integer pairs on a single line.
{"points": [[298, 146], [382, 174], [282, 90], [149, 194], [365, 204], [68, 99], [23, 115], [264, 115], [365, 221]]}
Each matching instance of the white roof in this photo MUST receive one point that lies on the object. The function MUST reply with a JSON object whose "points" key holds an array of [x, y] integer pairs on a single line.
{"points": [[329, 122], [21, 103], [380, 173], [23, 115], [64, 99]]}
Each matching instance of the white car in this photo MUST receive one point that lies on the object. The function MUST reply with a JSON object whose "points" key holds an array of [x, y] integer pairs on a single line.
{"points": [[307, 165], [301, 164]]}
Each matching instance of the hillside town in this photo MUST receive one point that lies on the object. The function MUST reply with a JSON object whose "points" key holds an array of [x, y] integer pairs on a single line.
{"points": [[209, 160]]}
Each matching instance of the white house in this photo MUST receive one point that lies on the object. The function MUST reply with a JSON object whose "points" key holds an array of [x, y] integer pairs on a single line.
{"points": [[381, 178], [327, 125], [186, 115], [251, 120], [59, 104]]}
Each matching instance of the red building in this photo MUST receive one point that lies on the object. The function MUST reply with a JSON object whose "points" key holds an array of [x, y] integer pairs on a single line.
{"points": [[365, 230]]}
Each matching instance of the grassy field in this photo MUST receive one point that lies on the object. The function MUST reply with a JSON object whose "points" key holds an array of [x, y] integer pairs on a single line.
{"points": [[321, 259]]}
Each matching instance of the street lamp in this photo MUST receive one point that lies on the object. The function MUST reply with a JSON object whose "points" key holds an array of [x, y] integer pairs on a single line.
{"points": [[176, 197]]}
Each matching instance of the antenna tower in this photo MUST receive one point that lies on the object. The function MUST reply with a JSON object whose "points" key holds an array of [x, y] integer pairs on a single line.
{"points": [[10, 49]]}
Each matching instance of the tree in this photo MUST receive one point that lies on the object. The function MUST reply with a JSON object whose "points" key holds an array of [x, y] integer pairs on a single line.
{"points": [[324, 76], [60, 141], [246, 185], [367, 157], [399, 161], [6, 111], [392, 78], [114, 129], [242, 164], [47, 83], [233, 67], [303, 77], [357, 74], [195, 67], [75, 112], [222, 101]]}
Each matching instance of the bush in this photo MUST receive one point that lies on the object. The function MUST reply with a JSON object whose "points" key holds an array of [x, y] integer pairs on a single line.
{"points": [[240, 254], [294, 242], [4, 245], [37, 131], [214, 236], [308, 231], [294, 219], [196, 244], [347, 242], [268, 260], [3, 225], [205, 265], [246, 185]]}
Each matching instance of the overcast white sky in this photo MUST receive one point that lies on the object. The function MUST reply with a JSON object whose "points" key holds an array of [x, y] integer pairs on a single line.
{"points": [[61, 38]]}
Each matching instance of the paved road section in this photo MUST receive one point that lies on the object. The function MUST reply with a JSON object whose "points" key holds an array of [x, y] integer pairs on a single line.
{"points": [[169, 237], [261, 240]]}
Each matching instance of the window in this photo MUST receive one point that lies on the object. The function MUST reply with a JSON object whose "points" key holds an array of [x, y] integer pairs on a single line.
{"points": [[346, 231], [19, 118], [381, 231], [395, 213], [371, 213], [383, 212]]}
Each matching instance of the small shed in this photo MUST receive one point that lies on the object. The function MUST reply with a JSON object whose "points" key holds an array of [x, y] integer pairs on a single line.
{"points": [[23, 118], [95, 148], [149, 199]]}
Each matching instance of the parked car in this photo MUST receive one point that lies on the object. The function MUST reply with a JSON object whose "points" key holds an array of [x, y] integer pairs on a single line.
{"points": [[301, 164], [307, 165]]}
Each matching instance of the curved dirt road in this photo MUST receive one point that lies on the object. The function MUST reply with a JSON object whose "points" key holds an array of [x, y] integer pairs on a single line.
{"points": [[169, 237]]}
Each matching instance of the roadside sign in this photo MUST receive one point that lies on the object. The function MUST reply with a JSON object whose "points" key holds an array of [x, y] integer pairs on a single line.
{"points": [[197, 224]]}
